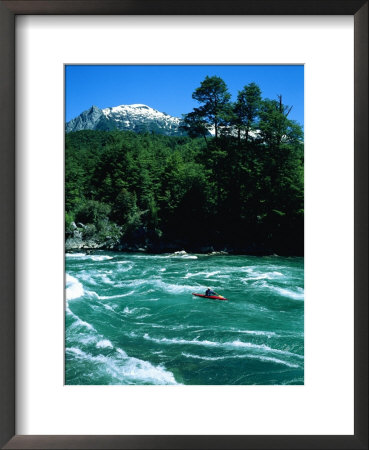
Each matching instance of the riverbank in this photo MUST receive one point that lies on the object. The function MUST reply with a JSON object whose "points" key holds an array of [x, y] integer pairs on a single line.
{"points": [[78, 241]]}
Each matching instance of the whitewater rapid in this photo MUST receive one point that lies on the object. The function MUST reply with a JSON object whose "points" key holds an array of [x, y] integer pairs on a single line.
{"points": [[132, 319]]}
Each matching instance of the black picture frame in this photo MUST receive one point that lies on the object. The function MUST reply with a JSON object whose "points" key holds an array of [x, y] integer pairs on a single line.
{"points": [[8, 12]]}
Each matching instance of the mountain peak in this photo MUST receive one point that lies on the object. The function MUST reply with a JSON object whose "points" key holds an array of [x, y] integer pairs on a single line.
{"points": [[139, 105], [136, 117]]}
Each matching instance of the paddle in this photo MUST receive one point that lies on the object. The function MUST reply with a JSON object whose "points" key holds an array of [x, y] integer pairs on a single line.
{"points": [[218, 294]]}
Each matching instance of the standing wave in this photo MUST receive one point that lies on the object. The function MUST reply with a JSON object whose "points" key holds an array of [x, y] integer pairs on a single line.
{"points": [[237, 344], [123, 369]]}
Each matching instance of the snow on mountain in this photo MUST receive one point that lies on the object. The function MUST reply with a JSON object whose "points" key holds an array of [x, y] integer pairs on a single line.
{"points": [[137, 117]]}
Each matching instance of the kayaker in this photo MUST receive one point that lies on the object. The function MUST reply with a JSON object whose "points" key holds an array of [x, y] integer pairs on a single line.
{"points": [[209, 292]]}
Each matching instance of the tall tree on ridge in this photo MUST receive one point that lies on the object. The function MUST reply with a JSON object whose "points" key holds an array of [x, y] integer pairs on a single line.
{"points": [[246, 110], [275, 127], [214, 96]]}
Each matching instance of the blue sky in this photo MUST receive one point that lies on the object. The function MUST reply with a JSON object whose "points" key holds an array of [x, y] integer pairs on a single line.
{"points": [[169, 88]]}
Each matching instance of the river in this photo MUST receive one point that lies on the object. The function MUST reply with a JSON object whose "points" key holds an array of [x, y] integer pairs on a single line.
{"points": [[131, 318]]}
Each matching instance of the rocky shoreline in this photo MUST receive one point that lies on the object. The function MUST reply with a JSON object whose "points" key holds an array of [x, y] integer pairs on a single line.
{"points": [[76, 241]]}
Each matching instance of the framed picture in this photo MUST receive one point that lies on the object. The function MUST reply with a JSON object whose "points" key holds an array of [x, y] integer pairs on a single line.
{"points": [[175, 205], [199, 358]]}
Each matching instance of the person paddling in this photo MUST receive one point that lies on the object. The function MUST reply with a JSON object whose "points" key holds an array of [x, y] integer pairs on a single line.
{"points": [[209, 292]]}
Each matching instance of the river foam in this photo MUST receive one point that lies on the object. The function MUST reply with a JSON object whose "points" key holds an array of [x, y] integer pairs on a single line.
{"points": [[74, 288], [123, 369]]}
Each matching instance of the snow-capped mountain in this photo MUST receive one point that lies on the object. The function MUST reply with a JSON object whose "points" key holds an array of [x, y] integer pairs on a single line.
{"points": [[138, 118]]}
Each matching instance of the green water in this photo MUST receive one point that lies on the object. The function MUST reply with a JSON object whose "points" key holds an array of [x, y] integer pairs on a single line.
{"points": [[131, 319]]}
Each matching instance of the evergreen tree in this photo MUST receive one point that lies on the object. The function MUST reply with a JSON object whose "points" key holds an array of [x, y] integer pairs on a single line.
{"points": [[275, 127], [215, 99], [246, 110]]}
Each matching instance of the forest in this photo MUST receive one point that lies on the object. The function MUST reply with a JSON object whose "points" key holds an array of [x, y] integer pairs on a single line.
{"points": [[233, 182]]}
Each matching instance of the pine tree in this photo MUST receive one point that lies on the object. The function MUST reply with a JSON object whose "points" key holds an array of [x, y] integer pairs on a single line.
{"points": [[246, 110], [215, 108]]}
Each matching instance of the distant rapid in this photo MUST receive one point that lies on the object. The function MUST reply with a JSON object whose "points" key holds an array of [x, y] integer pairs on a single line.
{"points": [[132, 319]]}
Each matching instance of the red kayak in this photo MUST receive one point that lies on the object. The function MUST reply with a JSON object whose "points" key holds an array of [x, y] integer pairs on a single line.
{"points": [[214, 297]]}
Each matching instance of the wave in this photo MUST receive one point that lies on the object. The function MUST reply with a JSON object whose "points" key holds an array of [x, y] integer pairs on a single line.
{"points": [[124, 267], [99, 257], [75, 351], [157, 283], [273, 360], [239, 343], [164, 256], [205, 358], [172, 288], [228, 345], [181, 255], [85, 256], [79, 322], [123, 369], [75, 255], [73, 288], [104, 343], [88, 339], [256, 275], [126, 310], [297, 294], [205, 274], [248, 356], [88, 278], [131, 284], [109, 308], [260, 277], [168, 327], [289, 293], [103, 277], [108, 297], [294, 381], [268, 334]]}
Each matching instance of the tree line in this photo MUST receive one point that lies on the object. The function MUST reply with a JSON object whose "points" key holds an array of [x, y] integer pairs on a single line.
{"points": [[235, 180]]}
